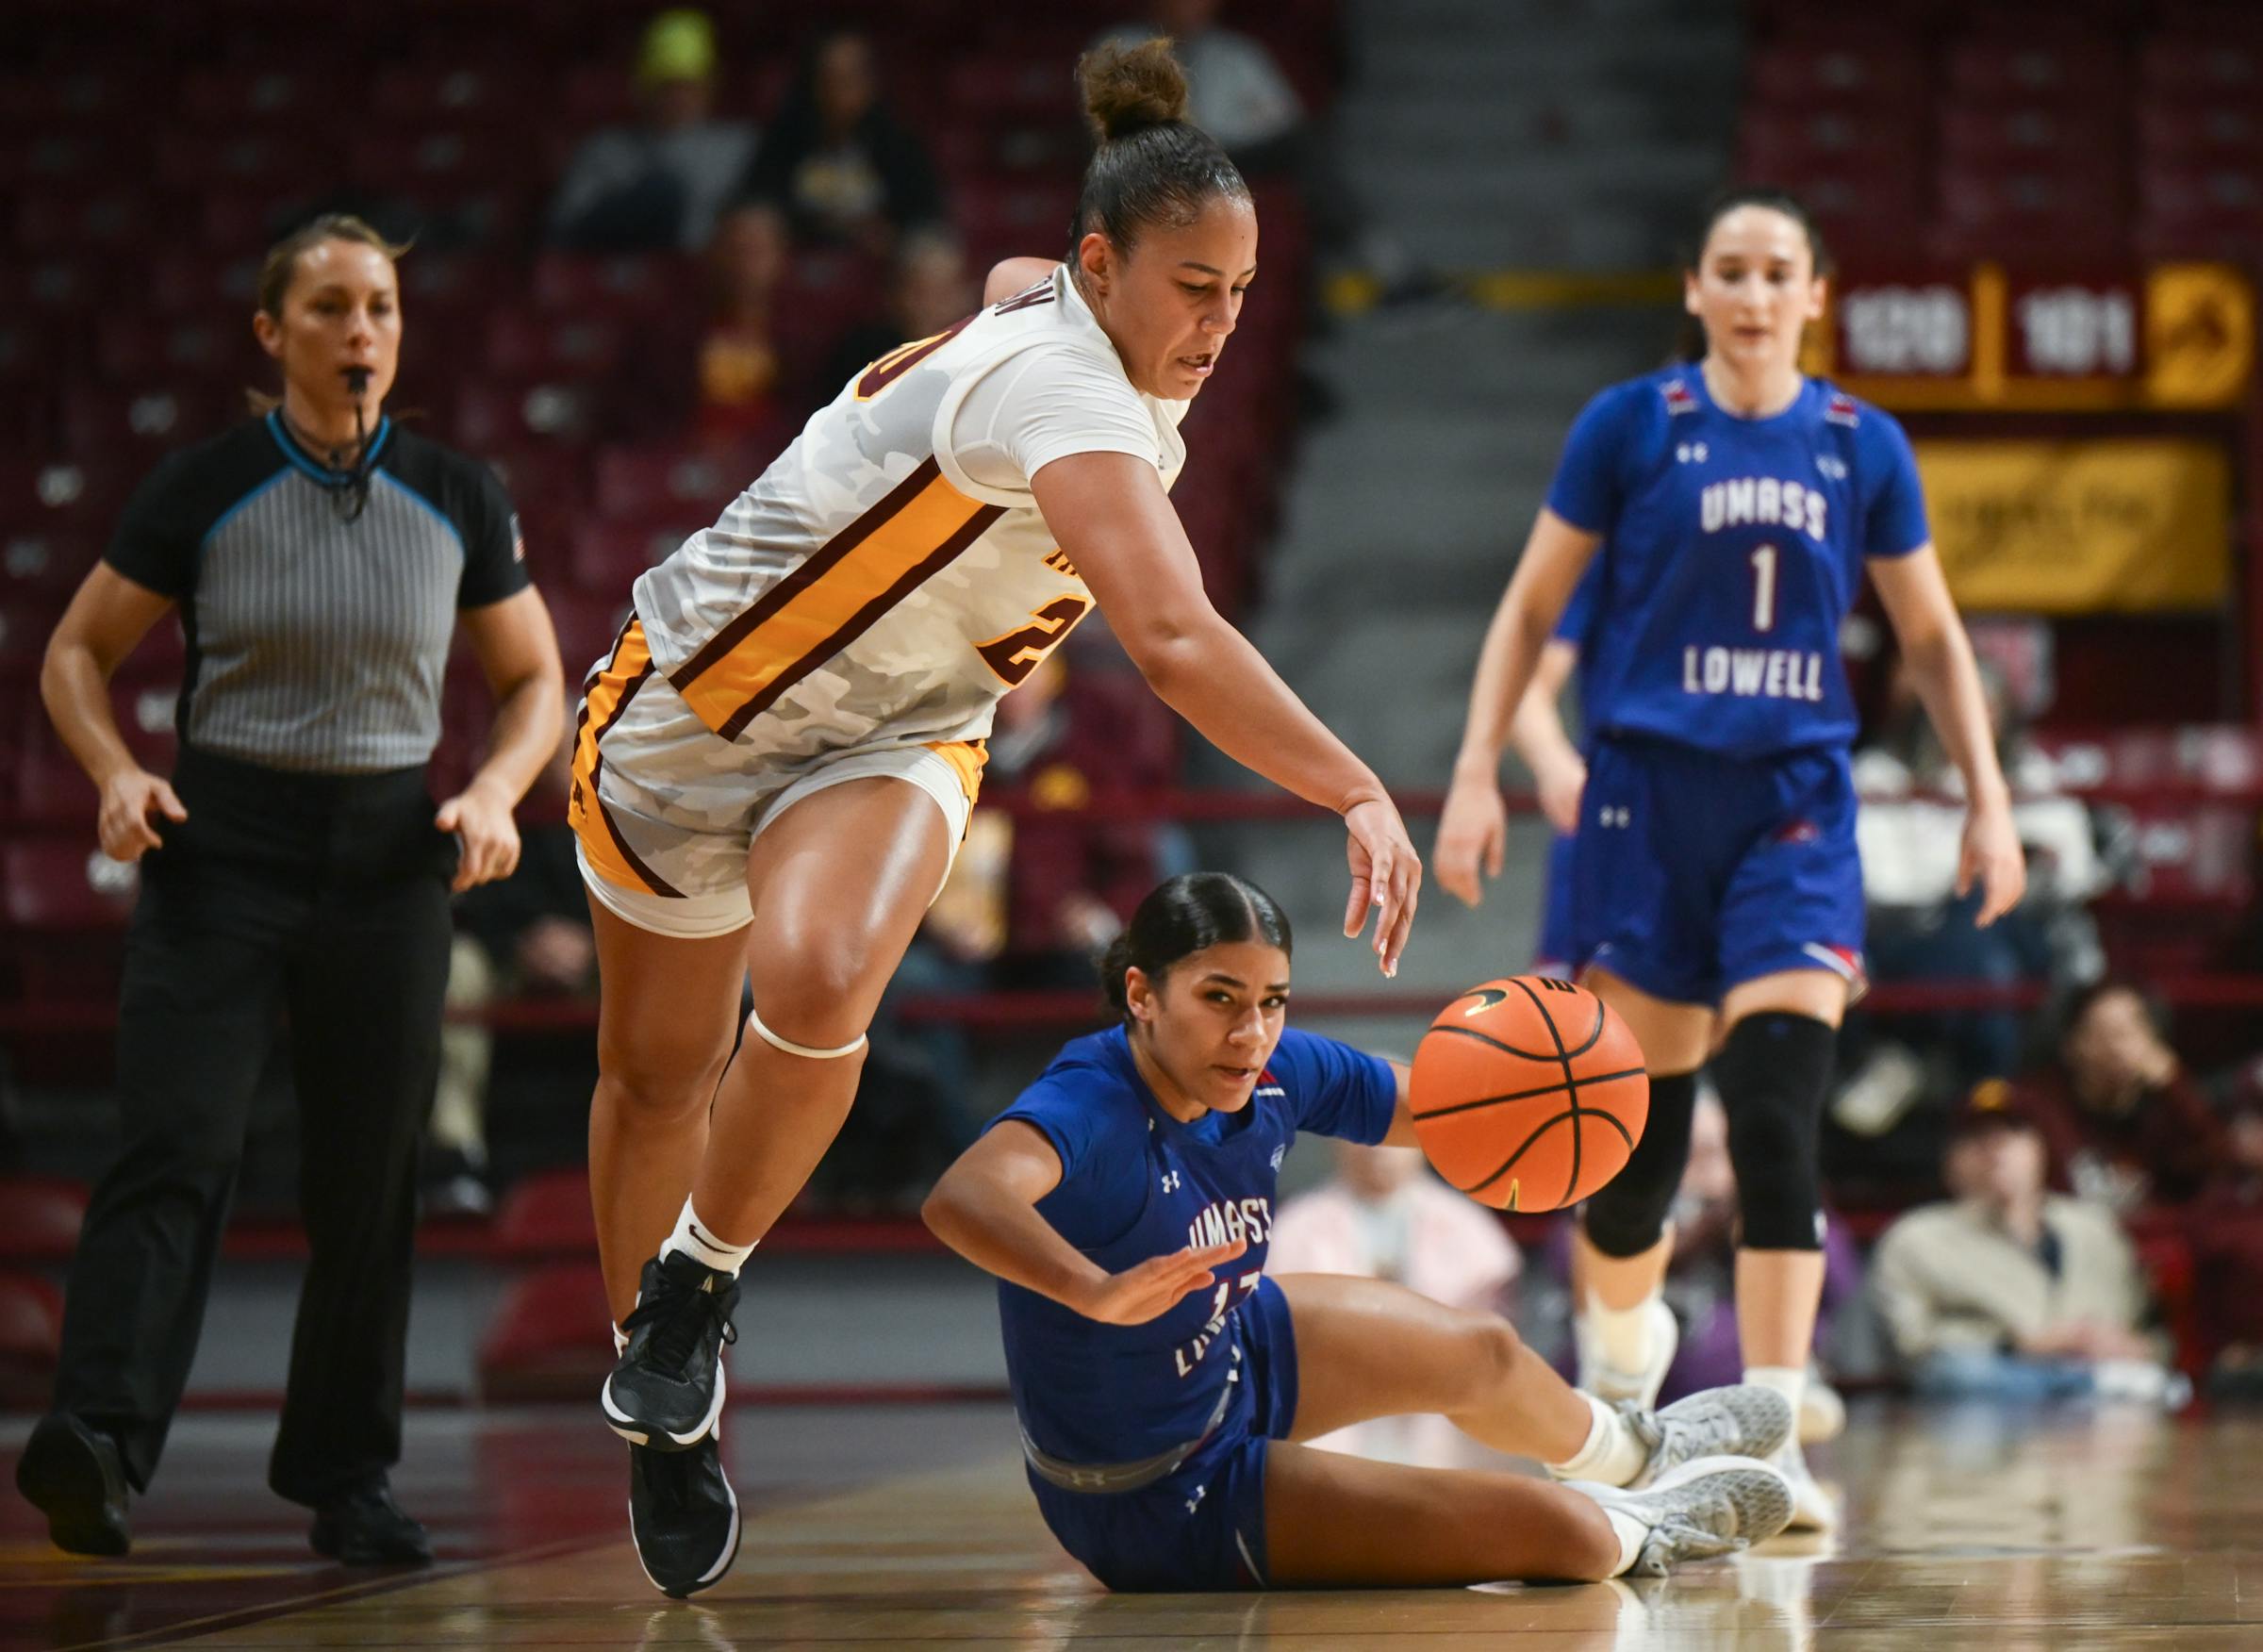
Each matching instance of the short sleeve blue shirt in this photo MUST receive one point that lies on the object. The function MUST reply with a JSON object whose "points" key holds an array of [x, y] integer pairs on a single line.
{"points": [[1732, 550], [1137, 1184]]}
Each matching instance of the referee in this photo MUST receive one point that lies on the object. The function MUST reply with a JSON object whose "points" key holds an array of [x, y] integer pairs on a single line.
{"points": [[321, 558]]}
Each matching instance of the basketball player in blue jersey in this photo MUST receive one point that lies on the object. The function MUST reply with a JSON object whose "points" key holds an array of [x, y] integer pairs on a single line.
{"points": [[1162, 1379], [1731, 507]]}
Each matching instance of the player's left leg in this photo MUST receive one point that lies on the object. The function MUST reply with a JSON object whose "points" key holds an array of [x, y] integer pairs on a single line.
{"points": [[1370, 1349], [1791, 959]]}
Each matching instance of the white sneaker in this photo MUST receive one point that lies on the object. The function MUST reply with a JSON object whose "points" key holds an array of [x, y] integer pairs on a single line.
{"points": [[1712, 1507], [1813, 1508], [1600, 1379], [1742, 1421]]}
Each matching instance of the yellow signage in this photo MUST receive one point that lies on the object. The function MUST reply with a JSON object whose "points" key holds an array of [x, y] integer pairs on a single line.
{"points": [[2073, 527], [2200, 336]]}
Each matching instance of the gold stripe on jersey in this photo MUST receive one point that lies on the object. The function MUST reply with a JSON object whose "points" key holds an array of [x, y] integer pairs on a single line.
{"points": [[611, 686], [837, 593]]}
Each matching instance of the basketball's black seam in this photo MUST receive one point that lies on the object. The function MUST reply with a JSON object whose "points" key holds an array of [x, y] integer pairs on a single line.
{"points": [[1571, 1082], [1528, 1095], [1542, 1128], [1496, 1043]]}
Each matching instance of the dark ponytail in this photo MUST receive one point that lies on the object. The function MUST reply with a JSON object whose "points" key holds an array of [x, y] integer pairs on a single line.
{"points": [[1180, 918], [1152, 168], [1690, 339]]}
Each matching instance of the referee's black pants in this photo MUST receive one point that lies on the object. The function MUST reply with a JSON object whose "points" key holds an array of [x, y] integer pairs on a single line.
{"points": [[319, 897]]}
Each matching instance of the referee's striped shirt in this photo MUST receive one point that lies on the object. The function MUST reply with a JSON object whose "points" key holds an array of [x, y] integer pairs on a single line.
{"points": [[318, 639]]}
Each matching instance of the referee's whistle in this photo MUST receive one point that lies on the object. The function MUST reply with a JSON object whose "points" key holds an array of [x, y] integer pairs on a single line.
{"points": [[357, 381]]}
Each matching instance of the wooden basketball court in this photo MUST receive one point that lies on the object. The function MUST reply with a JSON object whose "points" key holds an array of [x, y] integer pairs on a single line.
{"points": [[893, 1526]]}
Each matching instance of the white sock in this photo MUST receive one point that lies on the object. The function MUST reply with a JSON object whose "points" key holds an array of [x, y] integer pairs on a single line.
{"points": [[1789, 1381], [696, 1238], [1613, 1454], [1631, 1534], [620, 1341], [1623, 1333]]}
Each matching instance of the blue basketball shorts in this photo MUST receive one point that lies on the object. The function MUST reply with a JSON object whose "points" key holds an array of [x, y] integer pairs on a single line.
{"points": [[1552, 954], [1202, 1527], [1692, 872]]}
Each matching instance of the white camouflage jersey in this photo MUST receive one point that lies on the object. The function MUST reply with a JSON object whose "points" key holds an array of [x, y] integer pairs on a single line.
{"points": [[889, 576]]}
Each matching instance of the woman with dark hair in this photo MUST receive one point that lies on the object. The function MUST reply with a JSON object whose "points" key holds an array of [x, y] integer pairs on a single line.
{"points": [[836, 161], [779, 761], [321, 559], [1731, 507], [1163, 1380]]}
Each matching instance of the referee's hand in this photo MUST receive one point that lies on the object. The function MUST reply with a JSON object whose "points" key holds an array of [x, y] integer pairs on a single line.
{"points": [[484, 829], [132, 799]]}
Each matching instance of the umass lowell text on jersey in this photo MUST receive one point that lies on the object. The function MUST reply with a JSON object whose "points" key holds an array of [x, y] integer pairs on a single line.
{"points": [[1732, 549], [1137, 1184]]}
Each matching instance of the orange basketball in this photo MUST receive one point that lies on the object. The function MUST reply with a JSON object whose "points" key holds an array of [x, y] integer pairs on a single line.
{"points": [[1528, 1094]]}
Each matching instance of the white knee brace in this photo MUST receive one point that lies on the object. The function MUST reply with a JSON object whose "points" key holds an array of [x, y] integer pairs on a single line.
{"points": [[754, 1021]]}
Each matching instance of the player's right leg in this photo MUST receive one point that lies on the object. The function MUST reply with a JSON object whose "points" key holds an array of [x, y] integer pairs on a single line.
{"points": [[1625, 1331], [1335, 1520]]}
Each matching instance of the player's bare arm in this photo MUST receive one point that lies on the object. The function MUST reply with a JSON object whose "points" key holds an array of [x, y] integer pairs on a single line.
{"points": [[1115, 523], [1939, 655], [985, 1208], [1473, 833]]}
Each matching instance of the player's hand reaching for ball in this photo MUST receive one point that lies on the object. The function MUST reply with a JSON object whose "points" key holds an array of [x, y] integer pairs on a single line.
{"points": [[1992, 859], [480, 817], [1155, 1287], [1386, 874], [1473, 835], [133, 800]]}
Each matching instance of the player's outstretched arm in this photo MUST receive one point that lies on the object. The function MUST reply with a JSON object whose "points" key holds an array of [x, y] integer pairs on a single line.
{"points": [[1113, 521], [1474, 831], [1939, 656], [985, 1208]]}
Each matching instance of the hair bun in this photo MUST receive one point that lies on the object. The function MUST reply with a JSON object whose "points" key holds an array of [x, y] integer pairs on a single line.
{"points": [[1129, 87]]}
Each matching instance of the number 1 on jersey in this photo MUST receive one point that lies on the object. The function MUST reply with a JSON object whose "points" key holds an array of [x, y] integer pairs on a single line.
{"points": [[1763, 589]]}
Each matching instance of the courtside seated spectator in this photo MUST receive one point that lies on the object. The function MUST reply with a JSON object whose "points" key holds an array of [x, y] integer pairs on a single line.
{"points": [[2122, 1118], [737, 364], [2009, 1291], [659, 185], [930, 291], [1384, 1216], [836, 161]]}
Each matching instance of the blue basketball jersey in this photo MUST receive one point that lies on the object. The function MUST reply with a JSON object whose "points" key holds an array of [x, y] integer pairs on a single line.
{"points": [[1137, 1184], [1732, 549]]}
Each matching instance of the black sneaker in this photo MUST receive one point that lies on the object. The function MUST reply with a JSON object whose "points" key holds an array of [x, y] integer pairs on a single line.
{"points": [[683, 1516], [668, 1389], [72, 1475], [368, 1528]]}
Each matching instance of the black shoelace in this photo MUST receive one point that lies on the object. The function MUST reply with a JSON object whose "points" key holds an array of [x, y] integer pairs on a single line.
{"points": [[681, 1316]]}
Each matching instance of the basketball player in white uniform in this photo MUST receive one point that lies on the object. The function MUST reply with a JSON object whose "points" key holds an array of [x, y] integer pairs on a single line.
{"points": [[740, 788]]}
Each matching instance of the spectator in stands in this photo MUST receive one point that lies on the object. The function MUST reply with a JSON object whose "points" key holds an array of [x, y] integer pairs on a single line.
{"points": [[2121, 1119], [1240, 96], [1921, 929], [738, 362], [659, 185], [930, 291], [1384, 1216], [836, 161], [526, 936], [295, 862], [2011, 1291]]}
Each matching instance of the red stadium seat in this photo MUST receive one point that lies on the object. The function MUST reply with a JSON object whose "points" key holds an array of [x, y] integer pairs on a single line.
{"points": [[62, 219], [31, 1331], [421, 95], [232, 100], [148, 419], [644, 483], [2215, 131], [2058, 136], [546, 1215], [2211, 67], [607, 557], [524, 345], [128, 346], [547, 1339], [2037, 65], [585, 284], [50, 886], [2201, 211], [40, 1217], [1855, 69], [491, 417]]}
